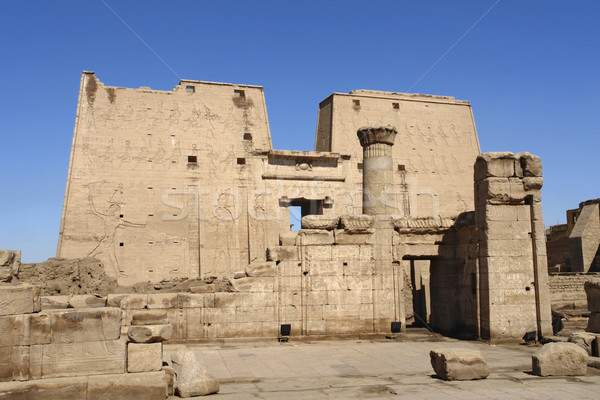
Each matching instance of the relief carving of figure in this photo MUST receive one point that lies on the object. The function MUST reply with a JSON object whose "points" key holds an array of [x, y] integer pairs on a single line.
{"points": [[112, 219]]}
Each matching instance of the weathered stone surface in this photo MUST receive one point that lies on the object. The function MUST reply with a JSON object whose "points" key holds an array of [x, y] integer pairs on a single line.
{"points": [[170, 379], [239, 274], [144, 357], [319, 222], [530, 164], [87, 301], [84, 358], [150, 333], [204, 288], [282, 253], [458, 364], [191, 377], [14, 365], [594, 322], [309, 237], [127, 301], [250, 284], [356, 223], [592, 292], [343, 236], [288, 238], [144, 385], [10, 261], [71, 388], [150, 317], [78, 325], [54, 302], [261, 269], [559, 359], [19, 299]]}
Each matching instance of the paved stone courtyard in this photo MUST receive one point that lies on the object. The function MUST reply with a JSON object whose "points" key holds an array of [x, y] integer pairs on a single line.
{"points": [[378, 369]]}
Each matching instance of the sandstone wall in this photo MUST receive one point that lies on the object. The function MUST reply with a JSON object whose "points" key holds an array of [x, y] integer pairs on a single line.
{"points": [[184, 183], [569, 288]]}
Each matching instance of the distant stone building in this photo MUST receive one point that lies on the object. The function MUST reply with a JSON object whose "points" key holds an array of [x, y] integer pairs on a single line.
{"points": [[398, 207], [575, 246]]}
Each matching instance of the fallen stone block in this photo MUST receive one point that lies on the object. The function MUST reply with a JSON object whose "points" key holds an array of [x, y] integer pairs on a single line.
{"points": [[144, 357], [261, 269], [19, 299], [459, 364], [191, 378], [10, 262], [559, 359], [150, 317], [150, 333]]}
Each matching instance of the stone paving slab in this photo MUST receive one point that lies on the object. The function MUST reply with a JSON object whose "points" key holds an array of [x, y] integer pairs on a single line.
{"points": [[383, 369]]}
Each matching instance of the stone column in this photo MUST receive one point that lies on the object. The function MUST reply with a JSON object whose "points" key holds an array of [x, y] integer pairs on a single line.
{"points": [[513, 272], [378, 169], [378, 181]]}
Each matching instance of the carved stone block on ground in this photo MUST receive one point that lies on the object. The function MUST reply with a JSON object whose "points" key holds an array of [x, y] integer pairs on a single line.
{"points": [[191, 377], [19, 299], [458, 364], [559, 359], [150, 333], [144, 357]]}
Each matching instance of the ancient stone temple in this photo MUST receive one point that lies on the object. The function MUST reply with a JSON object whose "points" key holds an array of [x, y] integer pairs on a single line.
{"points": [[402, 217]]}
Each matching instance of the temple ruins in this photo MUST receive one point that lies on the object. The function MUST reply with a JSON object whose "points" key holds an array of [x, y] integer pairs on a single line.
{"points": [[404, 221]]}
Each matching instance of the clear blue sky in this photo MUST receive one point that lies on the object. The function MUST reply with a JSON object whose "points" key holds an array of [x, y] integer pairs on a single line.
{"points": [[529, 68]]}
